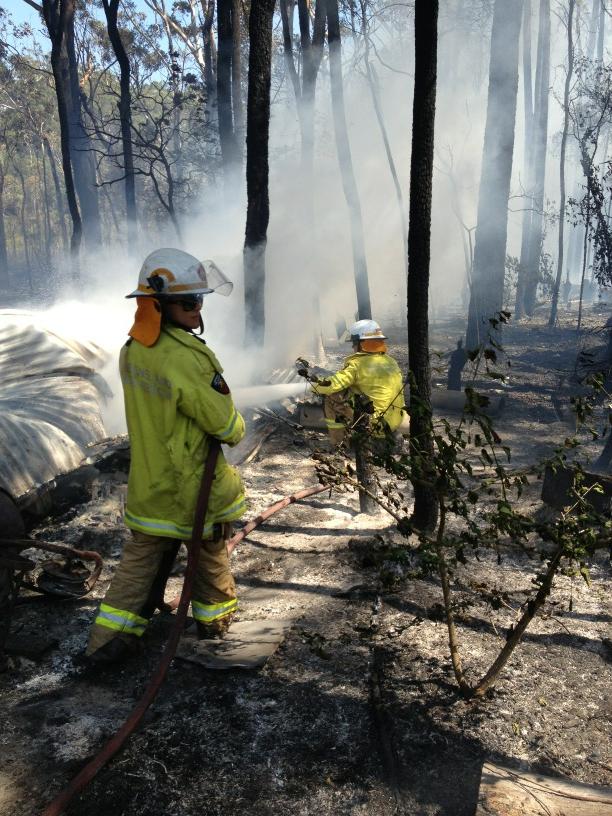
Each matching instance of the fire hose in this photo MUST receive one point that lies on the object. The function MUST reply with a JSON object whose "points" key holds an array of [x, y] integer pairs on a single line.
{"points": [[84, 777]]}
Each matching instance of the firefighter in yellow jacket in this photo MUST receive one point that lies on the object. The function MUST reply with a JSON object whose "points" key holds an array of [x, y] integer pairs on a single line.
{"points": [[176, 401], [369, 371]]}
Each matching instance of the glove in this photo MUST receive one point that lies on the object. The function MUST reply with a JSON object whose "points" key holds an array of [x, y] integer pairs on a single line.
{"points": [[302, 366]]}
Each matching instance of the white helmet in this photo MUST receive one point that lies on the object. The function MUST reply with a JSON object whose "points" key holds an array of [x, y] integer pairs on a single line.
{"points": [[365, 330], [171, 272]]}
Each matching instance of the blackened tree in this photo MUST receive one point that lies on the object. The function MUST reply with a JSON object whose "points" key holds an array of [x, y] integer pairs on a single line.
{"points": [[419, 236], [257, 169]]}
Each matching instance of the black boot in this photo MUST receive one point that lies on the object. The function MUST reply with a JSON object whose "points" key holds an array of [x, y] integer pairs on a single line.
{"points": [[116, 650]]}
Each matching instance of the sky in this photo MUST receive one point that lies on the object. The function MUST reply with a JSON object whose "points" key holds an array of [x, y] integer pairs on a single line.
{"points": [[21, 12]]}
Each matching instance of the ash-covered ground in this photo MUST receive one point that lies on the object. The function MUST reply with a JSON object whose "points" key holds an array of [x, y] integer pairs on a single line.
{"points": [[357, 712]]}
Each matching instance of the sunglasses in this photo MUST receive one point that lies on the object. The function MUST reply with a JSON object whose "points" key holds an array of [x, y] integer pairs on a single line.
{"points": [[189, 302]]}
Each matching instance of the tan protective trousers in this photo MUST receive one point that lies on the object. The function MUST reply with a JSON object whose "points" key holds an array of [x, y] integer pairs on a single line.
{"points": [[338, 414], [127, 606]]}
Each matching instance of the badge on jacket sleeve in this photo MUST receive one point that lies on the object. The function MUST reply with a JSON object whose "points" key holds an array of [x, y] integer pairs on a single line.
{"points": [[219, 384]]}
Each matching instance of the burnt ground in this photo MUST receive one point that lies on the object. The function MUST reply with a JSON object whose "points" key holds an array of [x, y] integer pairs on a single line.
{"points": [[357, 712]]}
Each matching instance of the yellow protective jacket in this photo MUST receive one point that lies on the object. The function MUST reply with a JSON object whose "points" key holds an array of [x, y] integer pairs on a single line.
{"points": [[378, 376], [175, 401]]}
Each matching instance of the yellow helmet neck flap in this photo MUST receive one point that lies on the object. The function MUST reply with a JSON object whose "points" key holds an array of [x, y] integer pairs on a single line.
{"points": [[147, 321]]}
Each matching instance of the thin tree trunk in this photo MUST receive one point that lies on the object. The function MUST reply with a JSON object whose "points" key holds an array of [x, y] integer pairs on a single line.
{"points": [[125, 116], [491, 232], [312, 54], [227, 136], [425, 512], [257, 169], [59, 199], [4, 268], [585, 252], [566, 94], [345, 161], [210, 79], [237, 106], [286, 11], [81, 153], [56, 22], [47, 205], [43, 202], [539, 159], [373, 84], [519, 306], [601, 32], [307, 248], [24, 229]]}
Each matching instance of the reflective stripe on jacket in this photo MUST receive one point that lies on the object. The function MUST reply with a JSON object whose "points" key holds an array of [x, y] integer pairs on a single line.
{"points": [[378, 377], [172, 411]]}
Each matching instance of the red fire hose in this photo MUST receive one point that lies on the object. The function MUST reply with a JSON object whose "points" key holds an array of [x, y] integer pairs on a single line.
{"points": [[270, 511], [84, 777], [114, 744]]}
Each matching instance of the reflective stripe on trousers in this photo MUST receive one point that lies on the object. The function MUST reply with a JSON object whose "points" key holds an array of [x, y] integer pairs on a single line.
{"points": [[121, 611], [206, 613], [120, 620]]}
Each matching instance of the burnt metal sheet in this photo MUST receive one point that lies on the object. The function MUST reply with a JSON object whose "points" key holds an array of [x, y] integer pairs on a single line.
{"points": [[50, 396], [247, 645], [506, 792]]}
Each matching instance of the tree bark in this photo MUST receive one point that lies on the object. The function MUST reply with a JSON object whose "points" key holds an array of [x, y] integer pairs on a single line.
{"points": [[343, 149], [425, 512], [257, 169], [566, 94], [56, 22], [125, 115], [491, 232], [539, 158]]}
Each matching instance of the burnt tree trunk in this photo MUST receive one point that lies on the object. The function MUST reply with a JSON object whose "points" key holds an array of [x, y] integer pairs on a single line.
{"points": [[125, 115], [345, 161], [425, 512], [566, 116], [492, 226], [55, 13], [257, 169]]}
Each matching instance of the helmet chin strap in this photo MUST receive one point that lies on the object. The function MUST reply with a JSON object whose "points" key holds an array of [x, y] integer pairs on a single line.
{"points": [[201, 325]]}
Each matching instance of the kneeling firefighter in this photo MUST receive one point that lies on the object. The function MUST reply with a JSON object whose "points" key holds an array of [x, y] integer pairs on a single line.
{"points": [[371, 372], [176, 402]]}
